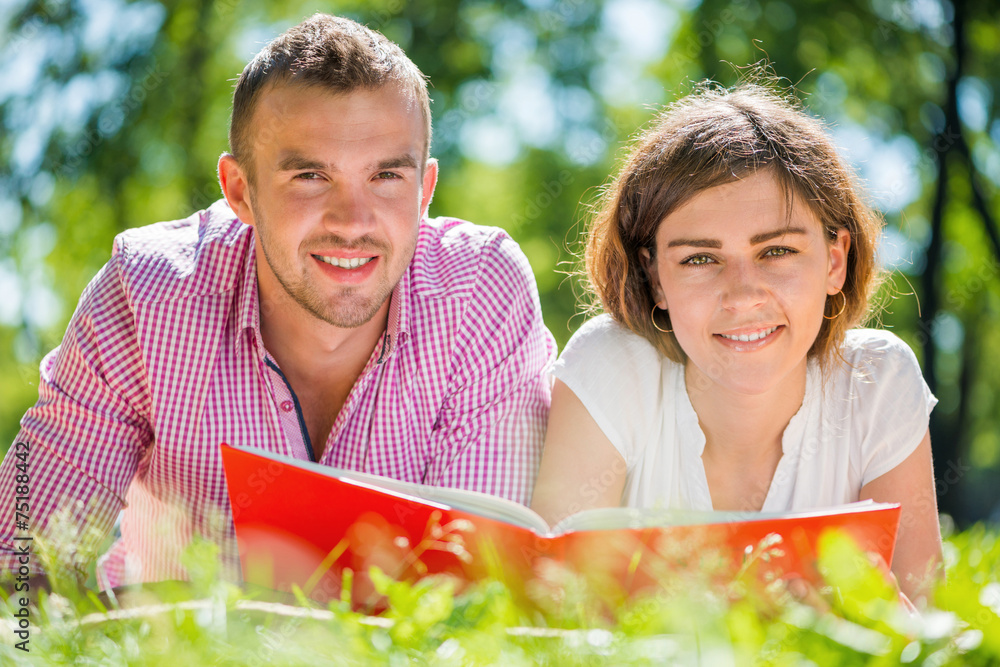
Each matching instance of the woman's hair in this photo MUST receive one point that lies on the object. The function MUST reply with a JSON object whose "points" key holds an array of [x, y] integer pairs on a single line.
{"points": [[709, 138]]}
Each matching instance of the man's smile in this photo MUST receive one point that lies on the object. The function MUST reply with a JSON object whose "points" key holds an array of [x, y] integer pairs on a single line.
{"points": [[344, 262]]}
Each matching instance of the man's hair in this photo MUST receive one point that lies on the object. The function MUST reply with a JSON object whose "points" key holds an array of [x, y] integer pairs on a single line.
{"points": [[331, 52], [712, 137]]}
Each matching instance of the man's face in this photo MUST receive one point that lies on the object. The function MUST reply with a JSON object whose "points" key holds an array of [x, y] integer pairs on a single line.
{"points": [[339, 189]]}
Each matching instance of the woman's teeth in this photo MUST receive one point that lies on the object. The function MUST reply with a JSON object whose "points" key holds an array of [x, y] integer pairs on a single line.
{"points": [[746, 338]]}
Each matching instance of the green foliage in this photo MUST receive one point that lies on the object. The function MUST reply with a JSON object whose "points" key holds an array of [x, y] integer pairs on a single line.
{"points": [[855, 619]]}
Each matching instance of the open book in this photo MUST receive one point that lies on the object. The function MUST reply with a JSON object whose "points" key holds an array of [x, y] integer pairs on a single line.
{"points": [[304, 523]]}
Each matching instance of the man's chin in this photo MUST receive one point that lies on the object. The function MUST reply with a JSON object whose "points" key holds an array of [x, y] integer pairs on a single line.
{"points": [[347, 315]]}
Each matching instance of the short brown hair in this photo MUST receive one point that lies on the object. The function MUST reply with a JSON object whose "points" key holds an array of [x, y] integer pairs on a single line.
{"points": [[712, 137], [327, 51]]}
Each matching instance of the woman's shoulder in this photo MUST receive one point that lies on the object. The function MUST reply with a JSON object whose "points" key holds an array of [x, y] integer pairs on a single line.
{"points": [[871, 348], [606, 341], [606, 359], [885, 398], [876, 361], [618, 376]]}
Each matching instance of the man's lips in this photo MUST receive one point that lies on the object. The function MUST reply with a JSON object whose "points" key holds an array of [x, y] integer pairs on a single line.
{"points": [[344, 262]]}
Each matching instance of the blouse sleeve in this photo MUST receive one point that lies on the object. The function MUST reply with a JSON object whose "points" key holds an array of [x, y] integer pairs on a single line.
{"points": [[893, 400], [616, 374]]}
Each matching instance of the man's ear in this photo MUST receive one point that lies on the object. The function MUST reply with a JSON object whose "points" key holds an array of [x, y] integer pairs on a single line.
{"points": [[236, 188], [839, 251], [430, 182], [649, 266]]}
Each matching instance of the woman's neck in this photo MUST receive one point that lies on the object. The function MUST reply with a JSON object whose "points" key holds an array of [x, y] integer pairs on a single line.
{"points": [[743, 434], [745, 425]]}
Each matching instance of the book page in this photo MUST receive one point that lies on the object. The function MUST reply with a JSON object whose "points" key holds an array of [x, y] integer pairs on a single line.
{"points": [[612, 518], [474, 502]]}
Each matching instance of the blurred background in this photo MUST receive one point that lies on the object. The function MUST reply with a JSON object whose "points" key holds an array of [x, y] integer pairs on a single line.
{"points": [[113, 115]]}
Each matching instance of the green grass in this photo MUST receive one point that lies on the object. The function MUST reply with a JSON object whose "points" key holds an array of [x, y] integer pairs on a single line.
{"points": [[211, 622]]}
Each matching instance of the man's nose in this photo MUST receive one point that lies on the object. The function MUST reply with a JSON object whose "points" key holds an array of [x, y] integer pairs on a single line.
{"points": [[350, 208]]}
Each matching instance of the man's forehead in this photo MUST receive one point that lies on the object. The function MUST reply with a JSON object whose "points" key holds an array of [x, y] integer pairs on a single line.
{"points": [[280, 103], [287, 97]]}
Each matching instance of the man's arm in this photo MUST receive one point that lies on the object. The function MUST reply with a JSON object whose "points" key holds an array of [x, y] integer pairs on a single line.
{"points": [[63, 481], [489, 433]]}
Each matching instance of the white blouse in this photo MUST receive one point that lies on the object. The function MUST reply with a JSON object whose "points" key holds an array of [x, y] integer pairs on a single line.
{"points": [[862, 422]]}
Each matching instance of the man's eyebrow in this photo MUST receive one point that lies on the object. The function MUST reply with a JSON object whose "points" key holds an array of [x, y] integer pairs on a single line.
{"points": [[295, 162], [400, 162]]}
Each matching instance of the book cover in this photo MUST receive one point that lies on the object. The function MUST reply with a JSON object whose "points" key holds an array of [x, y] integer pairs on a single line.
{"points": [[321, 528]]}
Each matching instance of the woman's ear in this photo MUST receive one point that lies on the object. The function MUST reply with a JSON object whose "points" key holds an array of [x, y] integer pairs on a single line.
{"points": [[839, 251], [652, 274]]}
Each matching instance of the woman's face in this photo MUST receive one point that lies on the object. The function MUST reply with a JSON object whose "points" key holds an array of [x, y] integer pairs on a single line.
{"points": [[745, 282]]}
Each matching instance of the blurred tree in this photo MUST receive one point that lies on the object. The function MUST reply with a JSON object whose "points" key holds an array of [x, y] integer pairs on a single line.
{"points": [[113, 114]]}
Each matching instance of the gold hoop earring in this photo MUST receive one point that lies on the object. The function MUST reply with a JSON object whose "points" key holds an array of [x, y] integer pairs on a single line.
{"points": [[652, 317], [842, 307]]}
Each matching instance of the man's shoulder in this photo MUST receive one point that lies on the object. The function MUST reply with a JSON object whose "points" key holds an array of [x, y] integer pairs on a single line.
{"points": [[202, 254], [454, 258]]}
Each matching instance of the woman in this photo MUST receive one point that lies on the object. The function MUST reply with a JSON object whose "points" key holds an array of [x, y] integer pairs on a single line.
{"points": [[733, 256]]}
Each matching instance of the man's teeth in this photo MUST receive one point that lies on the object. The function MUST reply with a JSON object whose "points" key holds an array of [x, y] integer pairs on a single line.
{"points": [[344, 262], [746, 338]]}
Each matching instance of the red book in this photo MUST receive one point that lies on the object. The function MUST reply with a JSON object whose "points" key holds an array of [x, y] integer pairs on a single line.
{"points": [[305, 524]]}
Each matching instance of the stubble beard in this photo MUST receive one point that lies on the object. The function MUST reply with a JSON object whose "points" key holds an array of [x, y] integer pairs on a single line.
{"points": [[350, 308]]}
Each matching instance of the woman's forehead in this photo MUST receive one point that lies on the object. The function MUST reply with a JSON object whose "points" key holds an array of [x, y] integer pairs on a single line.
{"points": [[744, 208]]}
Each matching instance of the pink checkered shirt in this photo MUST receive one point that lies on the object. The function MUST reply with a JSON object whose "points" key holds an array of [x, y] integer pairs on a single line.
{"points": [[163, 360]]}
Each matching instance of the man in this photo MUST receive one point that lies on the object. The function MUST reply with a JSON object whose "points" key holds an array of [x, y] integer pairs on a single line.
{"points": [[315, 312]]}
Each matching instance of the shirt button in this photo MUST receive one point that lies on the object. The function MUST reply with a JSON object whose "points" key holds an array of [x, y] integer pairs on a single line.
{"points": [[287, 406]]}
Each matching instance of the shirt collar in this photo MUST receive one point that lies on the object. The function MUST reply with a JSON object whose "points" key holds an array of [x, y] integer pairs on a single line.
{"points": [[398, 324], [247, 303]]}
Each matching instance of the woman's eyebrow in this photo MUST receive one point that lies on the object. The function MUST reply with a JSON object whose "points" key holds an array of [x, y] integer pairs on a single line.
{"points": [[757, 239], [697, 243]]}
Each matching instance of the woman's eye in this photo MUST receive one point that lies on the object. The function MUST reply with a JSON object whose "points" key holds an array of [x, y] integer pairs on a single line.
{"points": [[778, 252], [698, 260]]}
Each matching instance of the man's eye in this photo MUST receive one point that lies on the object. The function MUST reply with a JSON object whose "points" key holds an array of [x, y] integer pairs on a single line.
{"points": [[307, 176], [387, 175]]}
